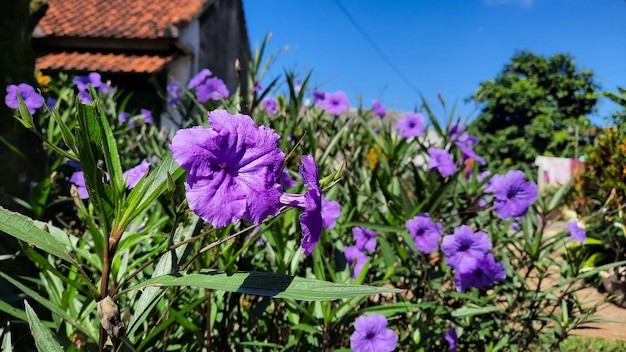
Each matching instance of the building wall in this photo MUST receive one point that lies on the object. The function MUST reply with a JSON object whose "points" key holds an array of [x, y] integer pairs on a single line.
{"points": [[223, 40]]}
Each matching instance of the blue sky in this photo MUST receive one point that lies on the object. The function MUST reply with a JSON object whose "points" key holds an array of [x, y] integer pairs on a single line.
{"points": [[437, 46]]}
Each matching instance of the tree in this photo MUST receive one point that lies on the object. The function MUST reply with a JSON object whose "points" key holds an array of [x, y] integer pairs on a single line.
{"points": [[535, 106], [18, 18]]}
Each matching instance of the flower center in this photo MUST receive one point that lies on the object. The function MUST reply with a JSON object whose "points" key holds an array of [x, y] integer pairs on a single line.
{"points": [[370, 335]]}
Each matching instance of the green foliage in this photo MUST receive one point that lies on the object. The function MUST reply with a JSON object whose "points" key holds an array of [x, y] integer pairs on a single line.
{"points": [[535, 106], [600, 191], [176, 283]]}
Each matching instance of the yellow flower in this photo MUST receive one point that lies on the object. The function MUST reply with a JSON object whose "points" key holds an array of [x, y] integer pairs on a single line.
{"points": [[43, 80]]}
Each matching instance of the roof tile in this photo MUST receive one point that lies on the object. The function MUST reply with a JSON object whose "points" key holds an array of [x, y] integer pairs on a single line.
{"points": [[111, 18], [102, 62]]}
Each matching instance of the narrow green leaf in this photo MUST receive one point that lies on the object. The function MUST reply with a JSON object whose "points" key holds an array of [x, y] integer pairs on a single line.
{"points": [[151, 186], [44, 340], [89, 138], [26, 118], [24, 229], [266, 284], [470, 312], [49, 304], [68, 137]]}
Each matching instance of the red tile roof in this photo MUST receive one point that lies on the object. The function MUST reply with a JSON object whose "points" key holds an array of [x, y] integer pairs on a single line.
{"points": [[132, 19], [102, 62]]}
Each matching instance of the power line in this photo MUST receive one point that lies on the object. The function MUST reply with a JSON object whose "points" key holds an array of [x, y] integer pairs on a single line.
{"points": [[376, 48]]}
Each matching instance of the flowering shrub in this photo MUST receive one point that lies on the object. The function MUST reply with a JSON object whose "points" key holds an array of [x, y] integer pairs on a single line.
{"points": [[413, 253]]}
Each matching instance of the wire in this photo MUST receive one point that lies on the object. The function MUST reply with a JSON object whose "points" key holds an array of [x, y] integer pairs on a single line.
{"points": [[376, 48]]}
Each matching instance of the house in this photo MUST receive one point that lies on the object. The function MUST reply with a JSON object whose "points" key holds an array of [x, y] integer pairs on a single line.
{"points": [[141, 45]]}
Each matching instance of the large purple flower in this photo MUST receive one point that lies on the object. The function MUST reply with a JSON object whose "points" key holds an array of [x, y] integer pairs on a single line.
{"points": [[480, 273], [335, 103], [232, 168], [411, 125], [365, 239], [271, 105], [378, 109], [310, 201], [577, 233], [464, 247], [372, 335], [441, 161], [213, 88], [31, 98], [356, 259], [331, 210], [425, 232], [513, 194]]}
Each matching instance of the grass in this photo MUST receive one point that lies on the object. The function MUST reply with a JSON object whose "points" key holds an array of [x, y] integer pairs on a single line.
{"points": [[592, 344]]}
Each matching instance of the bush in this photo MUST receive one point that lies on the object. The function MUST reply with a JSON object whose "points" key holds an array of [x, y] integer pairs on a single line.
{"points": [[424, 252]]}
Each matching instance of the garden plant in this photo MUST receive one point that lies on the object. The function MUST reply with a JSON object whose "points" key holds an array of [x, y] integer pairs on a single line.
{"points": [[280, 219]]}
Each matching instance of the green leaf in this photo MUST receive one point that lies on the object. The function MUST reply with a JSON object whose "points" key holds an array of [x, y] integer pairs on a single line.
{"points": [[470, 312], [26, 118], [89, 139], [44, 340], [266, 284], [150, 187], [55, 309], [24, 229]]}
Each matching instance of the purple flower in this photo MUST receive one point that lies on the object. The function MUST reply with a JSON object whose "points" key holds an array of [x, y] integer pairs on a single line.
{"points": [[271, 105], [455, 130], [452, 338], [335, 103], [331, 210], [318, 97], [378, 109], [257, 86], [464, 247], [106, 88], [83, 82], [441, 160], [51, 102], [466, 143], [425, 232], [199, 78], [514, 195], [134, 174], [123, 116], [365, 239], [372, 335], [577, 233], [310, 201], [78, 179], [147, 116], [411, 125], [286, 181], [173, 90], [31, 98], [213, 88], [85, 97], [355, 257], [232, 168], [480, 273]]}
